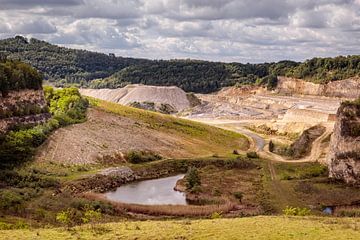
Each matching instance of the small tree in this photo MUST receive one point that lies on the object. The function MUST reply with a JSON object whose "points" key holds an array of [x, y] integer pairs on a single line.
{"points": [[192, 178]]}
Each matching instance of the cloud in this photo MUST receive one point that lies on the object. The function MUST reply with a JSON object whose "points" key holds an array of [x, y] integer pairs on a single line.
{"points": [[227, 30], [21, 4], [33, 26]]}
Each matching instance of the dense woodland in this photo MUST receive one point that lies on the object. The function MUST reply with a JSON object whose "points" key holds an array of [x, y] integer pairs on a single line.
{"points": [[64, 67]]}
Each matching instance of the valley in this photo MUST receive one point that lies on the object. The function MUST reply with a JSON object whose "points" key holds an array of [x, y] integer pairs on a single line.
{"points": [[88, 162]]}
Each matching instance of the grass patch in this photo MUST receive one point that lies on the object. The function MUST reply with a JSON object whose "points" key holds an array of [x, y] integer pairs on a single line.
{"points": [[300, 171], [245, 228]]}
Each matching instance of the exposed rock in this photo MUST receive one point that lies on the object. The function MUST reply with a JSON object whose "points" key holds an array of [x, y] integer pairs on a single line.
{"points": [[107, 180], [302, 146], [124, 172], [344, 155], [156, 107], [347, 88], [173, 96], [24, 107]]}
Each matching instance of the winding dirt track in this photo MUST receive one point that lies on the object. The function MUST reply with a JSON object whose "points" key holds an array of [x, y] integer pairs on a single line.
{"points": [[259, 143]]}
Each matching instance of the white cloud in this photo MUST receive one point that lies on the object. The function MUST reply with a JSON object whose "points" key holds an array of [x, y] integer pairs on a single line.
{"points": [[228, 30]]}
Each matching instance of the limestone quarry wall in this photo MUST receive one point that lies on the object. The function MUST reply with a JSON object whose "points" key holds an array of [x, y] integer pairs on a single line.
{"points": [[25, 107], [348, 88], [344, 155], [173, 96], [304, 115]]}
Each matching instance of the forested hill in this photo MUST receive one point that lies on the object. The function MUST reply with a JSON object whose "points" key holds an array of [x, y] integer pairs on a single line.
{"points": [[64, 66]]}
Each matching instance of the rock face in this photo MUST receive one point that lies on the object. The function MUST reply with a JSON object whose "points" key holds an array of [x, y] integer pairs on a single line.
{"points": [[302, 146], [344, 155], [24, 107], [348, 88]]}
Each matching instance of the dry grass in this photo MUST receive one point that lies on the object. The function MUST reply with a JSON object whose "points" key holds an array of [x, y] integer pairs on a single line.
{"points": [[167, 210], [259, 228]]}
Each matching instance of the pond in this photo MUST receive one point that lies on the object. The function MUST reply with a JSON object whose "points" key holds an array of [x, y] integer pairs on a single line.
{"points": [[150, 192]]}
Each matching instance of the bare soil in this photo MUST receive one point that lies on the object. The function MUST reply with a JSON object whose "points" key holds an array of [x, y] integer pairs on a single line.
{"points": [[106, 136]]}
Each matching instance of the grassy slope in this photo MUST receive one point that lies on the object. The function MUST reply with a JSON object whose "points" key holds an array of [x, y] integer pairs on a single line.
{"points": [[201, 138], [240, 228]]}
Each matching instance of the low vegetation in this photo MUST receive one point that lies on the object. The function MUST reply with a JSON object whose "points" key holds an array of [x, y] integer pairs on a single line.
{"points": [[16, 75], [256, 227], [141, 156]]}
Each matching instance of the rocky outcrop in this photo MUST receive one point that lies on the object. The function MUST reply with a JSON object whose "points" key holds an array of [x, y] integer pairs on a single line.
{"points": [[348, 88], [344, 155], [302, 146], [24, 107]]}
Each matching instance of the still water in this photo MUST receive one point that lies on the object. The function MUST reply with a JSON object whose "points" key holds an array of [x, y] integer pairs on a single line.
{"points": [[150, 192]]}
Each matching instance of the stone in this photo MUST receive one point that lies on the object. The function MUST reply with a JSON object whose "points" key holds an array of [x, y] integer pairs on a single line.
{"points": [[344, 156]]}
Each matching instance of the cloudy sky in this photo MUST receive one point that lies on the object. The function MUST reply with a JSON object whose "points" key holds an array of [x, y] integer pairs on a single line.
{"points": [[219, 30]]}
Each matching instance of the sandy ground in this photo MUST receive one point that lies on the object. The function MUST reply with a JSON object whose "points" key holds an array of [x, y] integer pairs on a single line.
{"points": [[173, 96], [230, 103]]}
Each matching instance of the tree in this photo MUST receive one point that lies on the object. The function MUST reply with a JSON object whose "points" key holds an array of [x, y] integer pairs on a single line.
{"points": [[192, 178]]}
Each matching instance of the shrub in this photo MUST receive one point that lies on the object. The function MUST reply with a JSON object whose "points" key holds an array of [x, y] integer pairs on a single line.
{"points": [[252, 155], [296, 211], [141, 156], [216, 215], [238, 195], [192, 178], [90, 215], [64, 217]]}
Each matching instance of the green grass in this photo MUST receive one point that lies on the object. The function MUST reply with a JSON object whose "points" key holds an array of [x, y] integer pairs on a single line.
{"points": [[202, 136], [259, 228], [300, 170]]}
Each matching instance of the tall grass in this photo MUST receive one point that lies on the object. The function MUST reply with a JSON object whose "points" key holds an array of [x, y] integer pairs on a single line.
{"points": [[166, 210]]}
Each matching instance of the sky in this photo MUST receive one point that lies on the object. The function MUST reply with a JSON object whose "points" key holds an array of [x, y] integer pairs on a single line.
{"points": [[217, 30]]}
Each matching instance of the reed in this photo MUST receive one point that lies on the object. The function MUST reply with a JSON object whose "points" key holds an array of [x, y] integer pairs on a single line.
{"points": [[166, 210]]}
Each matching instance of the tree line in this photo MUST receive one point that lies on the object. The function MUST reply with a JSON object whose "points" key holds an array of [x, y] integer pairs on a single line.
{"points": [[70, 67]]}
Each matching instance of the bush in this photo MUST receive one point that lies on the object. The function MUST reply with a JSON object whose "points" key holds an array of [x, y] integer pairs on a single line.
{"points": [[296, 211], [192, 178], [238, 195], [252, 155], [216, 215], [141, 156]]}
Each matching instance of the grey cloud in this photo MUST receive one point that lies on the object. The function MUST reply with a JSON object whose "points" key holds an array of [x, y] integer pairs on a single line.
{"points": [[228, 30], [40, 26], [21, 4]]}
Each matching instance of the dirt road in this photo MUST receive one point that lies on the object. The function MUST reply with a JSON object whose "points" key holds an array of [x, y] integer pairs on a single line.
{"points": [[259, 143]]}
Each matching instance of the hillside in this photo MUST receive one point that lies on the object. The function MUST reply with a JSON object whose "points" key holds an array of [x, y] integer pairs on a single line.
{"points": [[63, 65], [240, 228], [113, 129]]}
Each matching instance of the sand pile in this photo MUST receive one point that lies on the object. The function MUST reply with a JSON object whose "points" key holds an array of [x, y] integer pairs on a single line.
{"points": [[172, 96]]}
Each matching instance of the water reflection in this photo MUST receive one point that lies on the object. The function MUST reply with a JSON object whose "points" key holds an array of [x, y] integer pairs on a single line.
{"points": [[150, 192]]}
